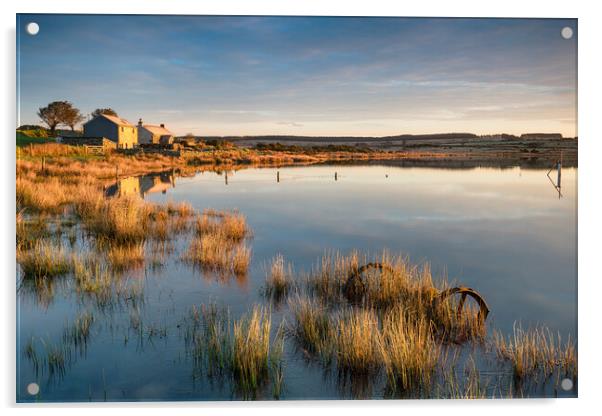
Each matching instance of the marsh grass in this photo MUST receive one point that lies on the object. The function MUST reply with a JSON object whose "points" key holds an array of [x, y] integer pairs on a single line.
{"points": [[536, 354], [44, 260], [312, 327], [409, 351], [218, 244], [126, 256], [241, 259], [279, 279], [241, 349], [230, 225], [357, 341]]}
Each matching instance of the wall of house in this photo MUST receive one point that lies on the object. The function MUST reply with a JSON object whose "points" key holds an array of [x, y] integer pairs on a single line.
{"points": [[101, 127], [145, 136], [128, 137], [125, 137]]}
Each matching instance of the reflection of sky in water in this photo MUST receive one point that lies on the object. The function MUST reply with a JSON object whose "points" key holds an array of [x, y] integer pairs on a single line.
{"points": [[503, 232]]}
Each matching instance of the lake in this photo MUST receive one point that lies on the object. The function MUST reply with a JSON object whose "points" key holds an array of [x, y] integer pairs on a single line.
{"points": [[507, 233]]}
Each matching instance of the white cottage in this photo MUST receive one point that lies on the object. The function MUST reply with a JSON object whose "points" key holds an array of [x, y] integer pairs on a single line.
{"points": [[148, 133]]}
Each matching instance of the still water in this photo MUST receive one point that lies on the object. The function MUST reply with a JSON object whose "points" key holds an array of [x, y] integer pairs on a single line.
{"points": [[508, 233]]}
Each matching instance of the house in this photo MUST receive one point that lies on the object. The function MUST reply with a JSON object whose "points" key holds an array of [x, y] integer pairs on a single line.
{"points": [[114, 128], [151, 134]]}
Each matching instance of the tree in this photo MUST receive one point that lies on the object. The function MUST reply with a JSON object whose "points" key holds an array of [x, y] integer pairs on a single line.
{"points": [[72, 117], [55, 113], [107, 111]]}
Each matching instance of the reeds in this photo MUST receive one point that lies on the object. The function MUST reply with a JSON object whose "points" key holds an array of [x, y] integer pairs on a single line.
{"points": [[279, 279], [357, 341], [536, 353], [125, 256], [45, 260], [312, 327], [219, 243], [409, 351], [229, 225], [241, 349]]}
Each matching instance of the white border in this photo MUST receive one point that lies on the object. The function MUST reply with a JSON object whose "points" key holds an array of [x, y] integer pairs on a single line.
{"points": [[590, 178]]}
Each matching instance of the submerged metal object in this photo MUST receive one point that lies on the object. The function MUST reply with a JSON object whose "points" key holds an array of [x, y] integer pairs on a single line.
{"points": [[467, 291], [355, 289]]}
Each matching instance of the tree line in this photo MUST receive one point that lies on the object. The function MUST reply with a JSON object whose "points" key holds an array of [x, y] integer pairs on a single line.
{"points": [[65, 113]]}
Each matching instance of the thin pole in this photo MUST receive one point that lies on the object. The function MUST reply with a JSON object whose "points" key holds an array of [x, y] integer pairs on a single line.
{"points": [[277, 176]]}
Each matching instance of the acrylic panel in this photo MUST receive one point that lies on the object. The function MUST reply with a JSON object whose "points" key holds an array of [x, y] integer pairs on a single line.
{"points": [[288, 207]]}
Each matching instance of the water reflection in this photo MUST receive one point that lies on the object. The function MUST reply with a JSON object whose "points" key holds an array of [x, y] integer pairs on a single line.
{"points": [[503, 232], [142, 185]]}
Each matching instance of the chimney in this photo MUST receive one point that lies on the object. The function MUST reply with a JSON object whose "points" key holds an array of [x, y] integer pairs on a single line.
{"points": [[162, 125], [140, 122]]}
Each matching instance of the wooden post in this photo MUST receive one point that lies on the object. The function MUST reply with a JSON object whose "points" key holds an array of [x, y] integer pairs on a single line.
{"points": [[30, 149], [277, 176], [226, 177], [43, 164], [335, 176]]}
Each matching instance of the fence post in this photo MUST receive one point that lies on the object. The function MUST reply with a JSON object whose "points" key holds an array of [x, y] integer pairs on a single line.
{"points": [[43, 164], [30, 149]]}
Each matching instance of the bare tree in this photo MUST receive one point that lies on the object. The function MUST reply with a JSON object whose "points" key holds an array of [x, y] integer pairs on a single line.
{"points": [[55, 113]]}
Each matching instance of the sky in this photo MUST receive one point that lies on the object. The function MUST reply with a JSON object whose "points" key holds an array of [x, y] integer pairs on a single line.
{"points": [[329, 76]]}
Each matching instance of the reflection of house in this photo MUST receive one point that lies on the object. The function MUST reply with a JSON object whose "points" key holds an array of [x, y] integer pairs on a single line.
{"points": [[142, 185], [148, 133], [156, 183], [114, 128]]}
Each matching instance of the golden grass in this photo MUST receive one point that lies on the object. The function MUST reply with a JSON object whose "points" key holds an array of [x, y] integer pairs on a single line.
{"points": [[279, 279], [357, 341], [312, 327], [241, 349], [123, 257], [44, 260], [241, 259], [218, 243], [536, 352], [409, 351], [230, 225], [251, 349]]}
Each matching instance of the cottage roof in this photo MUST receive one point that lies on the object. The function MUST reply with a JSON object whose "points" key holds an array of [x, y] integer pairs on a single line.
{"points": [[114, 119], [161, 131]]}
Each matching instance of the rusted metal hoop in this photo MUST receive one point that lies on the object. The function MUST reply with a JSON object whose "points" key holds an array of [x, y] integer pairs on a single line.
{"points": [[467, 291]]}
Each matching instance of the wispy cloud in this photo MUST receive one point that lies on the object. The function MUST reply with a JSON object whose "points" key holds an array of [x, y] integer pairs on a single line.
{"points": [[254, 75]]}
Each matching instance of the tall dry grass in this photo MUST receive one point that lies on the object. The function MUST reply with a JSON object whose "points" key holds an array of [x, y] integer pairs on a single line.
{"points": [[279, 279], [536, 353], [44, 260]]}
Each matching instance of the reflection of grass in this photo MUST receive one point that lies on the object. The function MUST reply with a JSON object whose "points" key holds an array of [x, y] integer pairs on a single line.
{"points": [[79, 333]]}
